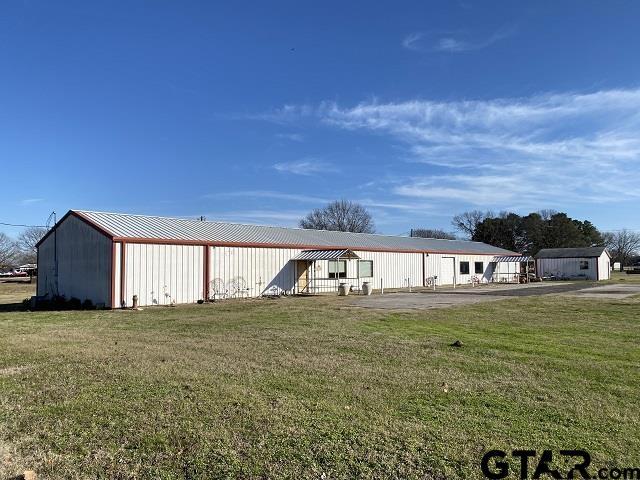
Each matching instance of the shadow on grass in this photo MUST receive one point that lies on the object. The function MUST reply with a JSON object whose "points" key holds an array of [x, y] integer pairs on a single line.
{"points": [[12, 307]]}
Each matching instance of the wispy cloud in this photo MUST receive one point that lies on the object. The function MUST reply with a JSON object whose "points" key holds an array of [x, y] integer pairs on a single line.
{"points": [[294, 137], [412, 41], [547, 149], [267, 194], [565, 146], [453, 41], [307, 166], [30, 201], [282, 115]]}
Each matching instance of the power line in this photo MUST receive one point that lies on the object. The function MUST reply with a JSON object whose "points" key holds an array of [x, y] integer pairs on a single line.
{"points": [[21, 225], [52, 215]]}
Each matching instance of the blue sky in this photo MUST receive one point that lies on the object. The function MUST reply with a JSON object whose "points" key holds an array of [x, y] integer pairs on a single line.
{"points": [[257, 112]]}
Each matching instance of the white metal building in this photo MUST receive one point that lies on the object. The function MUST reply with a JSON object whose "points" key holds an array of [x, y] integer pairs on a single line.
{"points": [[108, 258], [592, 263]]}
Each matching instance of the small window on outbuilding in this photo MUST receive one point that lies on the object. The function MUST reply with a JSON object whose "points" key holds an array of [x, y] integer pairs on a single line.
{"points": [[584, 264], [479, 267], [337, 269], [365, 268], [464, 268]]}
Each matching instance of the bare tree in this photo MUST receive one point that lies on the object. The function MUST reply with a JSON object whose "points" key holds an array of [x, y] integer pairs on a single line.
{"points": [[467, 222], [27, 243], [432, 233], [8, 251], [342, 216], [547, 213], [622, 245]]}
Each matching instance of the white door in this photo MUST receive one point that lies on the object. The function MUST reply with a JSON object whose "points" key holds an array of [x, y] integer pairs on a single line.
{"points": [[447, 271]]}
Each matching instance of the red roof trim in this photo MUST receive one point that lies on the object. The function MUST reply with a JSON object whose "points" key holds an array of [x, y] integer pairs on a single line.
{"points": [[79, 216], [91, 223], [158, 241]]}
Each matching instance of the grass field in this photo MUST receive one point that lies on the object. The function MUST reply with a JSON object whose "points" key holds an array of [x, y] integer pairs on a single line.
{"points": [[622, 277], [312, 388], [13, 293]]}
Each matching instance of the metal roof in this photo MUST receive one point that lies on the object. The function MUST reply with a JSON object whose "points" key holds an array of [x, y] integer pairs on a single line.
{"points": [[586, 252], [512, 259], [141, 227], [325, 255]]}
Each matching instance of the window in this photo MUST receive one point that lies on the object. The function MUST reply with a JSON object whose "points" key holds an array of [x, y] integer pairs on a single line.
{"points": [[464, 268], [337, 269], [365, 268], [584, 264], [479, 267]]}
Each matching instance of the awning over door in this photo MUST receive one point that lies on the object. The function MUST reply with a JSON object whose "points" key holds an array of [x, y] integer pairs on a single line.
{"points": [[512, 259], [326, 255]]}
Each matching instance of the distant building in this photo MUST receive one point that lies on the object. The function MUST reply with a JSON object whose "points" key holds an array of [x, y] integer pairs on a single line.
{"points": [[28, 268], [591, 263]]}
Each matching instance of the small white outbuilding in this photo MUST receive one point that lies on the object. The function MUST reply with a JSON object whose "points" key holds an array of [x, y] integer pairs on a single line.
{"points": [[590, 263], [109, 257]]}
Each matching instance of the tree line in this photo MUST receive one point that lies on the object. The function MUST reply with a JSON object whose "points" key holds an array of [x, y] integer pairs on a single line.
{"points": [[545, 229], [21, 250], [531, 233], [526, 234]]}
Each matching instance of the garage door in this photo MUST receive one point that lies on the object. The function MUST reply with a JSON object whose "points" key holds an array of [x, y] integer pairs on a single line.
{"points": [[447, 271]]}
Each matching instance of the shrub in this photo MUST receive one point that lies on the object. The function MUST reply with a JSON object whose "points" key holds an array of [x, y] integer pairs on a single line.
{"points": [[74, 304], [58, 302]]}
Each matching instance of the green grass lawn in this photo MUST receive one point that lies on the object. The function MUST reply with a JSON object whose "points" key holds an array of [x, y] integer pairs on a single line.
{"points": [[15, 292], [623, 277], [312, 388]]}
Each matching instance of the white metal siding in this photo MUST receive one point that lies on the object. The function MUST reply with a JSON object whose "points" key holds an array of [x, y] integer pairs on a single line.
{"points": [[447, 271], [255, 270], [117, 278], [567, 267], [163, 274], [46, 269], [84, 263], [434, 267], [604, 267], [393, 270], [260, 270]]}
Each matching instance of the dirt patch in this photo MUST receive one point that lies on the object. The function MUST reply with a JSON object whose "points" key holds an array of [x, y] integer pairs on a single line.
{"points": [[13, 370], [616, 292], [11, 465], [420, 301], [450, 297]]}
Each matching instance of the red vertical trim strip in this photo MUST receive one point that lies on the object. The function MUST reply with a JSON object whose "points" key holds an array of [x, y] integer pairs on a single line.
{"points": [[123, 249], [113, 274], [205, 285], [38, 270], [424, 280]]}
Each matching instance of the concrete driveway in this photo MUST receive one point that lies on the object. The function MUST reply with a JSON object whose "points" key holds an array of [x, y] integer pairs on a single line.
{"points": [[449, 297]]}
